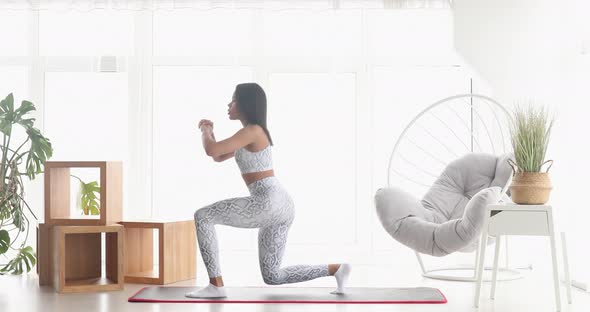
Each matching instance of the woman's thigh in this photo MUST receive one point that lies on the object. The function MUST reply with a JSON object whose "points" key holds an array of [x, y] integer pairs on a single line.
{"points": [[241, 212]]}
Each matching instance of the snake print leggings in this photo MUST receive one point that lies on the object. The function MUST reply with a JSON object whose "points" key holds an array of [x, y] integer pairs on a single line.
{"points": [[270, 208]]}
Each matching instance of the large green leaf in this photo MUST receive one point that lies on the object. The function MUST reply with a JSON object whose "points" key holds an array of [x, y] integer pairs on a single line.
{"points": [[10, 116], [93, 187], [5, 207], [39, 152], [4, 241], [7, 105], [25, 256], [18, 217], [25, 108], [89, 193], [94, 210], [7, 114]]}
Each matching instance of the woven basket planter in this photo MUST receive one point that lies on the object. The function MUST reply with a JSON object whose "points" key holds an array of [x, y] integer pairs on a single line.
{"points": [[530, 188]]}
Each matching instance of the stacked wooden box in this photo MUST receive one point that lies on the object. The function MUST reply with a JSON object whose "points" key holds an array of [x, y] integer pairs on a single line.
{"points": [[176, 251], [69, 247]]}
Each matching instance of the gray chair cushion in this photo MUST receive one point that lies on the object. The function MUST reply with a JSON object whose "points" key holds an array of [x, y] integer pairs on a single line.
{"points": [[450, 216]]}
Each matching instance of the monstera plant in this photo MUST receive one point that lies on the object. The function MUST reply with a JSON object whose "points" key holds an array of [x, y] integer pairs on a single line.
{"points": [[88, 197], [28, 160]]}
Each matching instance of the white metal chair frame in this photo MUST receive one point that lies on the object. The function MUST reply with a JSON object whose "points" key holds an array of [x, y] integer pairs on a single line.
{"points": [[512, 273]]}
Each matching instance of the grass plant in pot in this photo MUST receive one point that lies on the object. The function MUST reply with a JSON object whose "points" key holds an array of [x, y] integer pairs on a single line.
{"points": [[530, 131]]}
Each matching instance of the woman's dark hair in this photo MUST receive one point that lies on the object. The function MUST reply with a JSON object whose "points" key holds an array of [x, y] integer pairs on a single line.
{"points": [[251, 101]]}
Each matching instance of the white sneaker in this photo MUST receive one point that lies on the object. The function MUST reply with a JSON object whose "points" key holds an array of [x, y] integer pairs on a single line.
{"points": [[211, 291], [342, 278]]}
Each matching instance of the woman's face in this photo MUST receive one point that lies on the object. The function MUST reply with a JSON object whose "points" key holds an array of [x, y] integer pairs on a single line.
{"points": [[232, 110]]}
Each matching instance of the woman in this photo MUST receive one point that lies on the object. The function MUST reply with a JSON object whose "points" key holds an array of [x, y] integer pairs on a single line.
{"points": [[269, 207]]}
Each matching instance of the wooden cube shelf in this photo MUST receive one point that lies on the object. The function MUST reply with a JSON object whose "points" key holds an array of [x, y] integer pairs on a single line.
{"points": [[57, 192], [76, 258], [176, 251], [43, 254]]}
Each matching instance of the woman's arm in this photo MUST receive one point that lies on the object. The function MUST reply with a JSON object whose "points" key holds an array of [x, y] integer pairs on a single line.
{"points": [[224, 157], [222, 148]]}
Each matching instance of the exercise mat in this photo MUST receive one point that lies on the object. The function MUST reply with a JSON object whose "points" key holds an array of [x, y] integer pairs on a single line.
{"points": [[368, 295]]}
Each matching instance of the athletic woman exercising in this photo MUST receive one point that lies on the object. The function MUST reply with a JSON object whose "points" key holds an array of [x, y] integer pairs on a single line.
{"points": [[269, 207]]}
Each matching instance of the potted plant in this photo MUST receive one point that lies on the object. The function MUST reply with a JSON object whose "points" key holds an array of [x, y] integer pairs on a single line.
{"points": [[14, 210], [530, 131], [88, 197]]}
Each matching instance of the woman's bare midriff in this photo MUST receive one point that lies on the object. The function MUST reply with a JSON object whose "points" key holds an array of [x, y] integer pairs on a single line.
{"points": [[255, 176]]}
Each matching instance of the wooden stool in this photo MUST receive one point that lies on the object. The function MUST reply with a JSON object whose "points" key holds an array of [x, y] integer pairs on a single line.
{"points": [[176, 251]]}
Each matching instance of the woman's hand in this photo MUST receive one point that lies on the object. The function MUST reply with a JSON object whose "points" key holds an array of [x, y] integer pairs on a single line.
{"points": [[206, 125]]}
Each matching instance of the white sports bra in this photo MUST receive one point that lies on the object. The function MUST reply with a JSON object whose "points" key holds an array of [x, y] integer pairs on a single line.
{"points": [[253, 161]]}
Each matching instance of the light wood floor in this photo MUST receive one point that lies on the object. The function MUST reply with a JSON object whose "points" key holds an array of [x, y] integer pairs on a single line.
{"points": [[533, 293]]}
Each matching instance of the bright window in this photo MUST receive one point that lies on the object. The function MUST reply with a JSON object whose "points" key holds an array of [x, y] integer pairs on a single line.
{"points": [[14, 31], [86, 118], [78, 33], [312, 121]]}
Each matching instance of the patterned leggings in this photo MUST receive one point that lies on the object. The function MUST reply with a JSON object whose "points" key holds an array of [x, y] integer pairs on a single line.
{"points": [[270, 208]]}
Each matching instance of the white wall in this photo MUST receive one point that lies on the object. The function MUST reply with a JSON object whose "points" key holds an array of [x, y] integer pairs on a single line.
{"points": [[538, 50]]}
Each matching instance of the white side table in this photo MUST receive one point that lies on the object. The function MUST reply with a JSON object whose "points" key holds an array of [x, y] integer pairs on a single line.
{"points": [[514, 219]]}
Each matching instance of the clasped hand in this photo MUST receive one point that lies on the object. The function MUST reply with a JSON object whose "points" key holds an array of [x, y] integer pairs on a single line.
{"points": [[206, 125]]}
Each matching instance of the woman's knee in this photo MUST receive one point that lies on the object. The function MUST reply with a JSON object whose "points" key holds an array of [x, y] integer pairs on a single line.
{"points": [[270, 278]]}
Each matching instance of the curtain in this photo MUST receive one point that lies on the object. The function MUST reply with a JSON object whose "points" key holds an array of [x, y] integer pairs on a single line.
{"points": [[211, 4]]}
